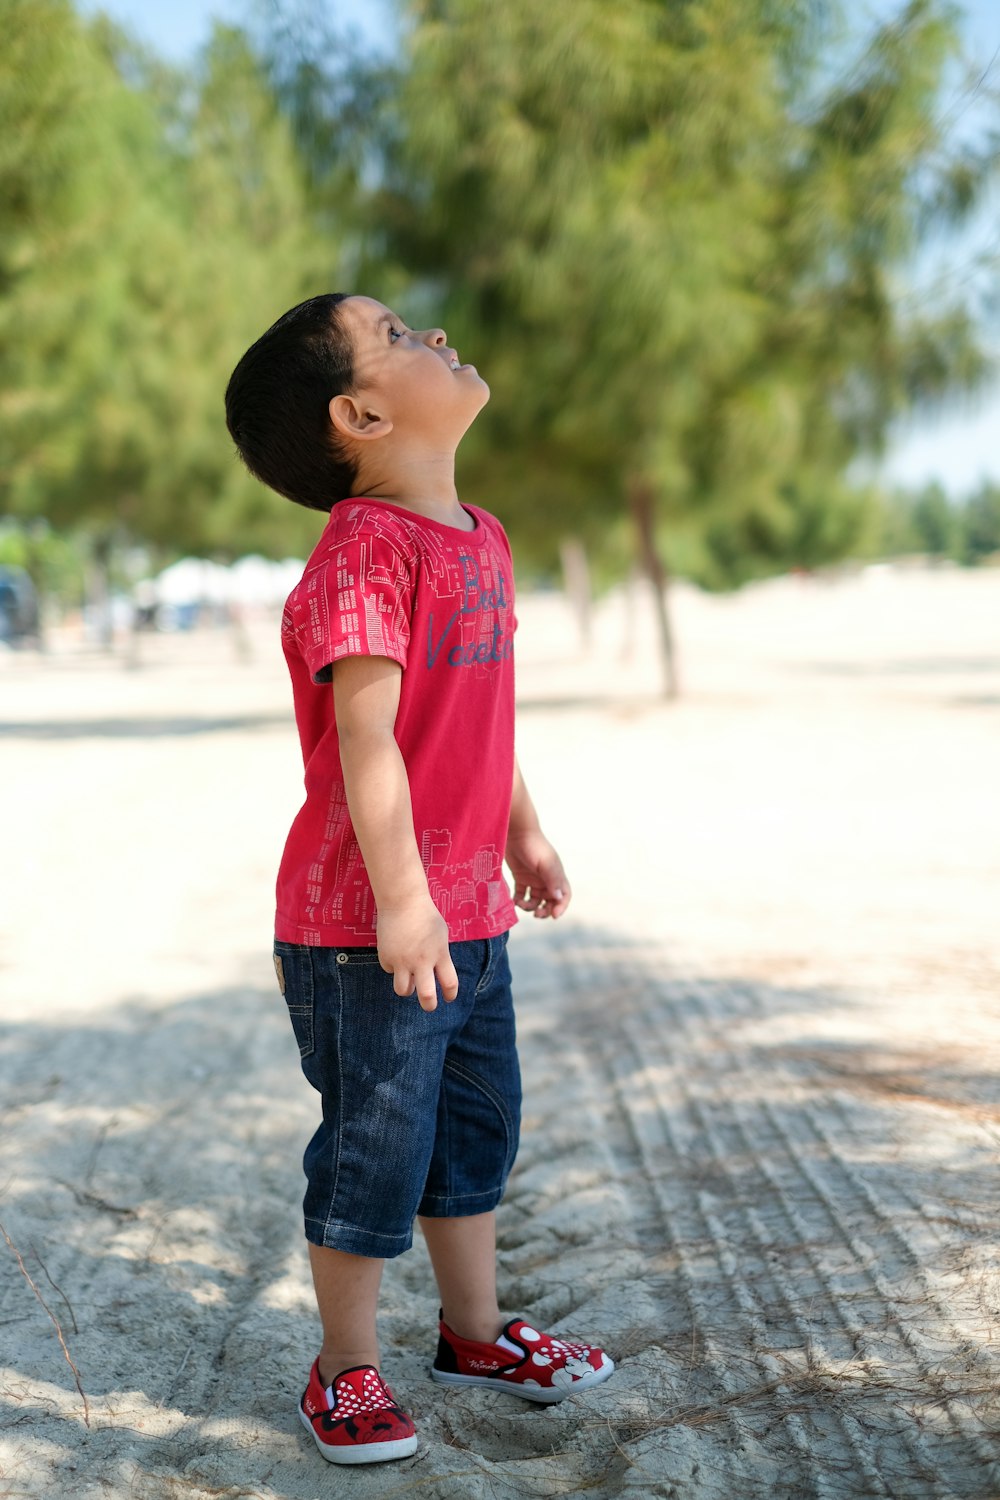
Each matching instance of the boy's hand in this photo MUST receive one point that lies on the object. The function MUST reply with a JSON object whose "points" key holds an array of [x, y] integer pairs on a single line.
{"points": [[540, 883], [413, 948]]}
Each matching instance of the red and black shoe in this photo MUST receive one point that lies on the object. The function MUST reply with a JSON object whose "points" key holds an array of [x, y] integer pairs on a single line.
{"points": [[537, 1366], [356, 1420]]}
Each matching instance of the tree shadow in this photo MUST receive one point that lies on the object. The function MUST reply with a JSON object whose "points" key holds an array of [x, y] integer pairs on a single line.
{"points": [[927, 666], [138, 728], [784, 1240]]}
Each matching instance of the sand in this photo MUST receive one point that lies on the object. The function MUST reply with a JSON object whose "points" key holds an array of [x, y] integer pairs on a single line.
{"points": [[760, 1055]]}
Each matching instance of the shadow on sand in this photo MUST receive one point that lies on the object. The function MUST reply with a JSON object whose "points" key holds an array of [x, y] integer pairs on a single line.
{"points": [[784, 1241]]}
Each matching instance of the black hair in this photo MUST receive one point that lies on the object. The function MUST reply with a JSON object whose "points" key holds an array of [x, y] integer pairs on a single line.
{"points": [[277, 404]]}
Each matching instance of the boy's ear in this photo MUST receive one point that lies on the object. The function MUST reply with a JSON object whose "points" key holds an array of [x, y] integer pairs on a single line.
{"points": [[356, 419]]}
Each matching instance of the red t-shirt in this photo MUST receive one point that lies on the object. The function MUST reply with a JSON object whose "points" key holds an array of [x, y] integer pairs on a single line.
{"points": [[383, 581]]}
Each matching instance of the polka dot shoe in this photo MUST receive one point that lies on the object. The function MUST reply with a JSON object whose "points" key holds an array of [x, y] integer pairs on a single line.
{"points": [[356, 1420], [537, 1366]]}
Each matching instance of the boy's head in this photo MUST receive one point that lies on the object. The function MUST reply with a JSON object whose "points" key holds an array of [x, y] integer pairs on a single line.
{"points": [[339, 394], [277, 400]]}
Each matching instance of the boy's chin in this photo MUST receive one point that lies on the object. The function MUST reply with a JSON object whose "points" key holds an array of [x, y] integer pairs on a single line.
{"points": [[477, 394], [474, 413]]}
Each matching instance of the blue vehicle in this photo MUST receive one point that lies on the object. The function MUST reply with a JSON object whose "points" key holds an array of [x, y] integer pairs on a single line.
{"points": [[19, 615]]}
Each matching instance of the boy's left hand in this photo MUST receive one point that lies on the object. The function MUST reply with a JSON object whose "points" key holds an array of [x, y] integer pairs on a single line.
{"points": [[540, 883]]}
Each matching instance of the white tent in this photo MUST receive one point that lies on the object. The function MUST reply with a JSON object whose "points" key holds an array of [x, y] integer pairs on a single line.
{"points": [[250, 581]]}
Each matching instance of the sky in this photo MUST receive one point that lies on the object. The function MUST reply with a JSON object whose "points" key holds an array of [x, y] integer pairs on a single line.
{"points": [[959, 447], [178, 28]]}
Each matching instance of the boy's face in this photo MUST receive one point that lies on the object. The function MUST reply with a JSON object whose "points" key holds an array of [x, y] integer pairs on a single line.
{"points": [[411, 378]]}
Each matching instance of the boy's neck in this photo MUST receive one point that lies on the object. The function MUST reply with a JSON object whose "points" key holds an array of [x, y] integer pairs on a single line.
{"points": [[425, 485]]}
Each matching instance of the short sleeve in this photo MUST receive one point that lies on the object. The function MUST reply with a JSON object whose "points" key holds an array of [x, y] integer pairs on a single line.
{"points": [[357, 600]]}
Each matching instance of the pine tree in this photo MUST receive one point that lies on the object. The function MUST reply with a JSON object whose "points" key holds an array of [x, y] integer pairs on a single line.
{"points": [[670, 238], [153, 225]]}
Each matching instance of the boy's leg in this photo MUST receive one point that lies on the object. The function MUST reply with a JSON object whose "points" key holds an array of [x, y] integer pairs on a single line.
{"points": [[463, 1254], [346, 1294], [475, 1346], [475, 1143], [365, 1166]]}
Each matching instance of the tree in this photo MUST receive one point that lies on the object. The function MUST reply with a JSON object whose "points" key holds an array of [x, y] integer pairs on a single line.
{"points": [[670, 239], [937, 521], [981, 525], [251, 250], [153, 225]]}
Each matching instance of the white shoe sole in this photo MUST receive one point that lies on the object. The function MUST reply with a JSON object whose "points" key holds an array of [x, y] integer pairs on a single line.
{"points": [[367, 1453], [546, 1395]]}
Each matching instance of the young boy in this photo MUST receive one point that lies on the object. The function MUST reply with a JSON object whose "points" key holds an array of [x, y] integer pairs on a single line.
{"points": [[391, 896]]}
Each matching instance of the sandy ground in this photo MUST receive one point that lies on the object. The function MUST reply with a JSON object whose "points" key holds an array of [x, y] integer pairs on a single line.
{"points": [[761, 1066]]}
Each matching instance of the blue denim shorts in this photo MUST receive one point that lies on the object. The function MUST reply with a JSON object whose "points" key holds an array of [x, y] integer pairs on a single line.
{"points": [[421, 1110]]}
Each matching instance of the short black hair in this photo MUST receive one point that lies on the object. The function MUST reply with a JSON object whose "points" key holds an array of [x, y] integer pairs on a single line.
{"points": [[278, 398]]}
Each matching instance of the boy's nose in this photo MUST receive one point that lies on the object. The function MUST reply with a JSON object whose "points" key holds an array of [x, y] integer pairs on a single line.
{"points": [[437, 336]]}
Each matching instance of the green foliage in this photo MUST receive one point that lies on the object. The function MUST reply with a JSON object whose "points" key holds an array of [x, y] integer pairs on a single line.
{"points": [[675, 236], [672, 236], [810, 521], [895, 532], [981, 525], [925, 522], [153, 225], [55, 563], [936, 521]]}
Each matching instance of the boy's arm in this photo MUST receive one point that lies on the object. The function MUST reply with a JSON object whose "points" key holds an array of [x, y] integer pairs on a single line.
{"points": [[540, 883], [412, 935]]}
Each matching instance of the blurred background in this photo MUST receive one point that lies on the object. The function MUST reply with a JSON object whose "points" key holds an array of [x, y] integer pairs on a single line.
{"points": [[730, 267], [731, 270]]}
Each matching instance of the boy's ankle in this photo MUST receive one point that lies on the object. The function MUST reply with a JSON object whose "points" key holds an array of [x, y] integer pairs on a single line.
{"points": [[475, 1330], [333, 1364]]}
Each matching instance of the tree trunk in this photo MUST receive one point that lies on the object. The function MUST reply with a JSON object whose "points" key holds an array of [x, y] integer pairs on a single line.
{"points": [[643, 508], [576, 579], [99, 590], [239, 634], [34, 566], [630, 616], [132, 660]]}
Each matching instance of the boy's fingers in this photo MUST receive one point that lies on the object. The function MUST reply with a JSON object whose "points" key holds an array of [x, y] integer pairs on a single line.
{"points": [[553, 903], [549, 898], [427, 989], [402, 982], [448, 979], [561, 900]]}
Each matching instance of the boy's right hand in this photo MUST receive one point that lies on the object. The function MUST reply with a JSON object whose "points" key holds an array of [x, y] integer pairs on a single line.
{"points": [[413, 948]]}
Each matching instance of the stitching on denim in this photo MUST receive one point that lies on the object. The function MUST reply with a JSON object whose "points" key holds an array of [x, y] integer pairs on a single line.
{"points": [[488, 973], [301, 1006], [307, 1009], [373, 1234], [303, 1013], [497, 954], [497, 1100], [496, 1192], [340, 1100], [311, 988], [447, 1134]]}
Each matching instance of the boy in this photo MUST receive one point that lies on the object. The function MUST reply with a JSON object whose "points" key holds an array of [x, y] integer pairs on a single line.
{"points": [[391, 896]]}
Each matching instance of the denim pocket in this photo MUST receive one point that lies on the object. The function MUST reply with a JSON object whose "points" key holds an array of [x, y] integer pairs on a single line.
{"points": [[294, 968]]}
